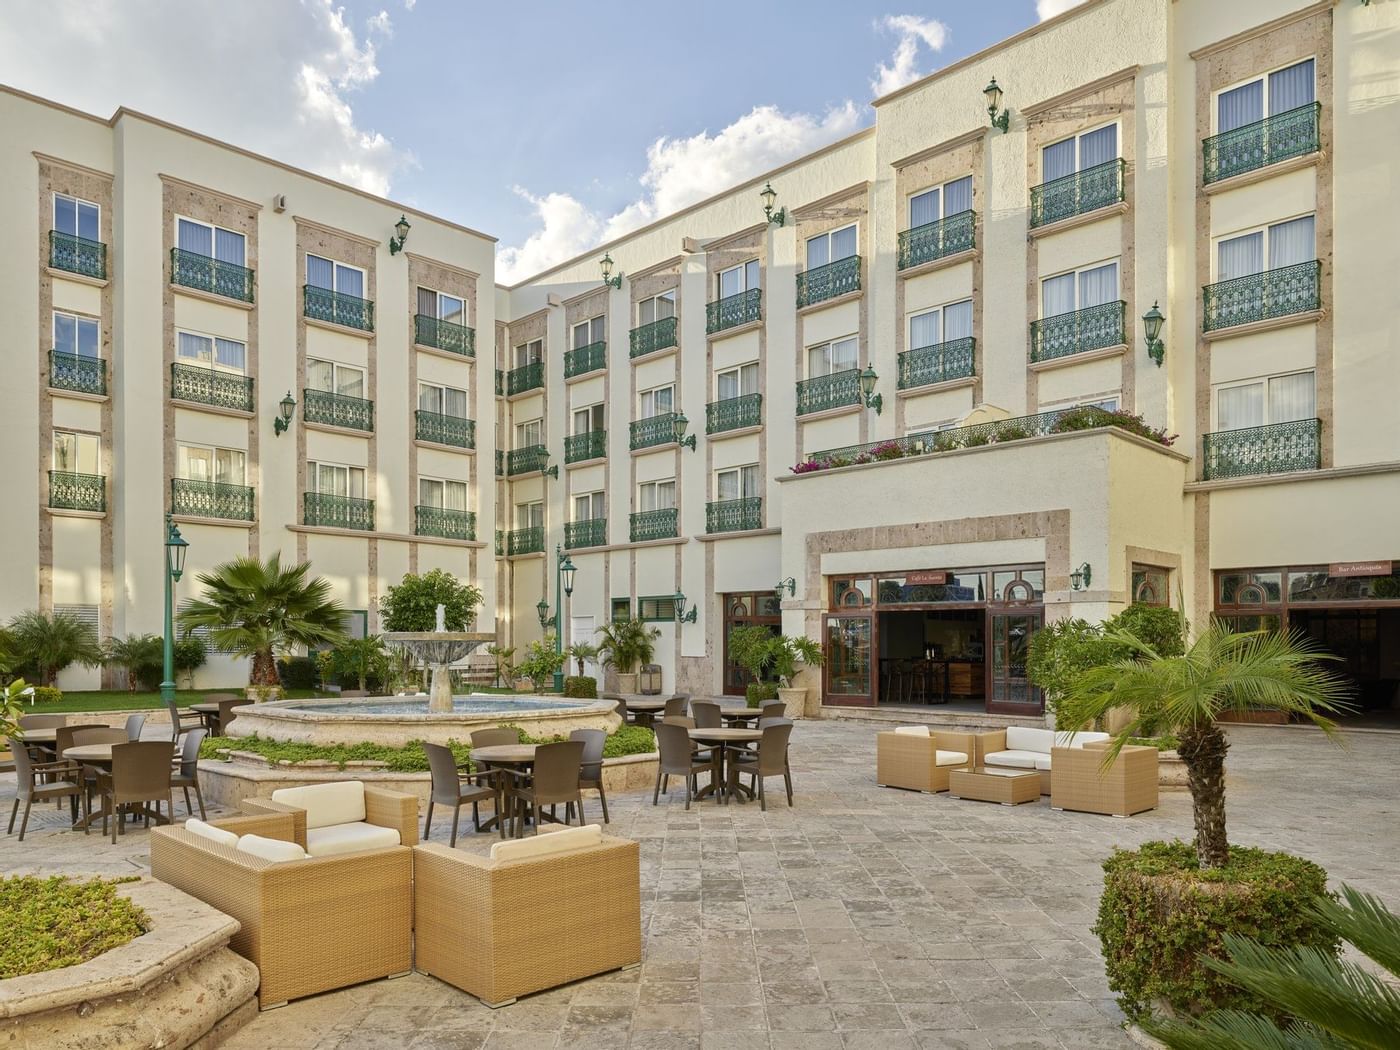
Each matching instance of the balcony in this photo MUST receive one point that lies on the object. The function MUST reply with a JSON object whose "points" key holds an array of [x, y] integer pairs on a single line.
{"points": [[1263, 296], [500, 462], [734, 413], [734, 515], [206, 274], [83, 375], [1064, 335], [349, 311], [937, 240], [525, 541], [591, 532], [77, 255], [527, 460], [69, 491], [655, 430], [338, 512], [1271, 140], [1077, 194], [827, 282], [443, 523], [211, 499], [444, 335], [657, 524], [832, 391], [1279, 448], [443, 429], [584, 359], [500, 383], [732, 311], [337, 410], [526, 377], [206, 386], [500, 543], [938, 363], [652, 337], [591, 444]]}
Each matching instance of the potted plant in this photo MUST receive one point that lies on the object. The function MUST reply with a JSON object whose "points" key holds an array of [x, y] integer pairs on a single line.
{"points": [[790, 651], [541, 663], [755, 649], [625, 645]]}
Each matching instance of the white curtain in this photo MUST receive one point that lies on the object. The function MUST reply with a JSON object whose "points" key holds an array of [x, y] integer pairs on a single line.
{"points": [[727, 485], [1057, 295], [923, 208], [749, 480], [843, 355], [455, 402], [197, 348], [1098, 147], [427, 302], [429, 398], [1239, 106], [924, 330], [731, 282], [1240, 406], [450, 308], [194, 237], [454, 495], [1098, 286], [320, 375], [818, 252], [350, 381], [429, 492], [1290, 88], [228, 246], [843, 243], [728, 385], [665, 307], [1292, 397], [320, 273], [228, 466], [1057, 161], [1292, 242], [748, 379], [349, 281], [230, 354], [957, 321], [957, 196], [1239, 257]]}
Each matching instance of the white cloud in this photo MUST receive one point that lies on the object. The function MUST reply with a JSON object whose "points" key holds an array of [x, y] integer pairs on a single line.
{"points": [[903, 65], [267, 75], [1050, 8]]}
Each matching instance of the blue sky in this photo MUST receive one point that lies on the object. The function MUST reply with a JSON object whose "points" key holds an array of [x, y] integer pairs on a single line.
{"points": [[535, 122]]}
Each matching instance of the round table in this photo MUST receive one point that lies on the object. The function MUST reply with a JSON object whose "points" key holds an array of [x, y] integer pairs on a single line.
{"points": [[503, 755], [738, 712], [37, 736], [723, 739], [101, 755], [646, 708]]}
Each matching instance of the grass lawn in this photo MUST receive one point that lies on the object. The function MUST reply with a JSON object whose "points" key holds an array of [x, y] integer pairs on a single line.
{"points": [[121, 700]]}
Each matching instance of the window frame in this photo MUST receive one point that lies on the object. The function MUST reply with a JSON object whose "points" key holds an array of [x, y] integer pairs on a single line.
{"points": [[336, 267], [79, 436], [79, 320], [743, 270], [643, 395], [336, 368], [738, 372], [78, 203], [595, 413], [313, 470], [1249, 231], [1077, 137], [533, 351], [213, 228], [827, 344], [213, 364], [650, 608], [614, 604], [941, 310], [669, 295], [523, 428], [1264, 96], [597, 500], [828, 236], [528, 514], [741, 472], [656, 485], [1116, 261], [185, 446], [442, 389], [943, 212], [432, 479], [439, 294], [587, 324], [1265, 380]]}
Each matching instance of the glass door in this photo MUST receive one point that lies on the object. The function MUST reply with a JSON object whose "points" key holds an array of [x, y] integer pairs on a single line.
{"points": [[1009, 687], [850, 647]]}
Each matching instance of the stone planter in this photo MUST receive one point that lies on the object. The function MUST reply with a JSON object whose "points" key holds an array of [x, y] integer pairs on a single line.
{"points": [[627, 683], [262, 694], [1171, 772], [524, 685], [794, 702]]}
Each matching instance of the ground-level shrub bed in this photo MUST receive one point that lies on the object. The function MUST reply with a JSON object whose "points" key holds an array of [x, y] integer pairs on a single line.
{"points": [[52, 923]]}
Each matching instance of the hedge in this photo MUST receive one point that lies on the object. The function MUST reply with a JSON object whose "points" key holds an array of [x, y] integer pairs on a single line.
{"points": [[581, 687], [54, 922]]}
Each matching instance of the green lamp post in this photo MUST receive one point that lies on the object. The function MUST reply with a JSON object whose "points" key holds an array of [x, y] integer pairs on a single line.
{"points": [[175, 548], [564, 570]]}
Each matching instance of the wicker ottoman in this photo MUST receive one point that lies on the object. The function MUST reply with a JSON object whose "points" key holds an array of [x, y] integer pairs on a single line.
{"points": [[1010, 787]]}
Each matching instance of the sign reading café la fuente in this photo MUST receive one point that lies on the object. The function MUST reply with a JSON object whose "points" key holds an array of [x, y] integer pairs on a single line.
{"points": [[926, 577], [1360, 568]]}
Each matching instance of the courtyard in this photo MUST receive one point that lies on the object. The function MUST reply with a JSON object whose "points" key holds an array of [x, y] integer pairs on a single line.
{"points": [[863, 917]]}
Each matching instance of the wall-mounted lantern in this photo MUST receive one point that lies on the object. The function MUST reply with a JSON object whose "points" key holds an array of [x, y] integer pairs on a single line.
{"points": [[681, 439], [1152, 328], [770, 197], [396, 243], [606, 265], [283, 420], [681, 615], [868, 379], [993, 93], [1080, 578]]}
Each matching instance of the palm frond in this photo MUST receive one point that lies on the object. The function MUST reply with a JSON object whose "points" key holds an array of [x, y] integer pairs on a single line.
{"points": [[1366, 923], [1236, 1030]]}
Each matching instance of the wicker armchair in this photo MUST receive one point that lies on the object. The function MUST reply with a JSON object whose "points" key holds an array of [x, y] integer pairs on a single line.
{"points": [[918, 762], [1079, 781], [385, 809]]}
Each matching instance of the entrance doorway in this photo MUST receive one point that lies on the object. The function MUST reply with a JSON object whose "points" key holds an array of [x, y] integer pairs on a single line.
{"points": [[933, 656], [744, 610], [1366, 643]]}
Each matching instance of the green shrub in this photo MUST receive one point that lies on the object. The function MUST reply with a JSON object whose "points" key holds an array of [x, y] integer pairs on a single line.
{"points": [[1162, 628], [52, 923], [581, 687], [298, 672], [47, 694], [757, 692], [412, 604], [1160, 915], [541, 663]]}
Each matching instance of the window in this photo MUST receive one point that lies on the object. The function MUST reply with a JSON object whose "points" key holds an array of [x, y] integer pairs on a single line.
{"points": [[442, 306], [586, 333], [357, 623], [657, 495], [1086, 150], [587, 420], [738, 279], [1282, 244], [736, 382], [531, 432], [76, 452], [445, 400], [659, 307], [658, 402], [213, 242], [940, 325], [529, 353], [656, 609], [940, 202], [1151, 585], [334, 276], [442, 494], [210, 351], [621, 609], [529, 515], [335, 378], [1269, 95], [223, 466], [75, 335], [76, 217], [335, 479], [589, 506], [1079, 290], [1108, 404], [86, 614], [839, 355], [1261, 402], [737, 483], [830, 247]]}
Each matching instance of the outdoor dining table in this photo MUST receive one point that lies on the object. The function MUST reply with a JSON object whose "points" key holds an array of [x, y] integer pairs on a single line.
{"points": [[503, 755], [738, 712], [723, 740], [647, 709], [37, 736], [209, 713], [101, 755]]}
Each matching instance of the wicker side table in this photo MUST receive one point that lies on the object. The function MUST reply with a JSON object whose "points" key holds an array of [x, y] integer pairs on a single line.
{"points": [[1010, 787]]}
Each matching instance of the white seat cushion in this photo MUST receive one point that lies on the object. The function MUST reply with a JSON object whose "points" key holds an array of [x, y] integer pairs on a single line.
{"points": [[208, 831], [342, 802], [1013, 758], [348, 838], [1079, 739], [270, 849], [949, 758], [1022, 738], [547, 845], [912, 730]]}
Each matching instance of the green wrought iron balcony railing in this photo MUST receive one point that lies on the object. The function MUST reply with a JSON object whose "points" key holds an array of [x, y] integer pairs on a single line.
{"points": [[937, 240], [1078, 194], [525, 541], [938, 363], [734, 515], [338, 512], [658, 335], [1091, 328], [206, 386], [733, 311], [591, 444], [322, 304], [584, 359], [526, 377], [1263, 296], [658, 524], [500, 383], [207, 274], [70, 491], [831, 391], [591, 532], [734, 413], [1278, 448], [444, 523], [526, 460], [337, 410], [500, 543], [500, 462], [79, 255], [445, 430], [211, 499], [444, 335], [1293, 133], [654, 430], [827, 282], [84, 375]]}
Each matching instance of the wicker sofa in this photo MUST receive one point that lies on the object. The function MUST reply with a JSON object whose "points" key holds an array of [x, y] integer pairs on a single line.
{"points": [[1021, 747], [1079, 781], [916, 759], [344, 816]]}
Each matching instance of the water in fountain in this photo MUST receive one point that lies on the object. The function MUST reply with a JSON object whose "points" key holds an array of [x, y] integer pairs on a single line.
{"points": [[439, 648]]}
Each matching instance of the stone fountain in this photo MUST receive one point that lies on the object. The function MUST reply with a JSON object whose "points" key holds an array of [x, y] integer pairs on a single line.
{"points": [[439, 648]]}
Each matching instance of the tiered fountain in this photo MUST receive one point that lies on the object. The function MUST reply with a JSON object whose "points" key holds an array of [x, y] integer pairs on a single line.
{"points": [[439, 649]]}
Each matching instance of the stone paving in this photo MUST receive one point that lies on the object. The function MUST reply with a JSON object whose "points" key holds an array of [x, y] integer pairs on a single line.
{"points": [[862, 918]]}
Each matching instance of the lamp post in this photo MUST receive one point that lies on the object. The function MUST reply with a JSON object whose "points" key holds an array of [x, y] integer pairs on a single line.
{"points": [[564, 570], [175, 548]]}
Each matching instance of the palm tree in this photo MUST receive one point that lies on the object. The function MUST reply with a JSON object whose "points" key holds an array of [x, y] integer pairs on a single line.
{"points": [[48, 644], [259, 609], [1221, 673], [139, 655], [582, 652], [626, 643]]}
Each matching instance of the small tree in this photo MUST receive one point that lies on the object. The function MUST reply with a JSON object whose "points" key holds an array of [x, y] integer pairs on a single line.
{"points": [[190, 655], [10, 707], [755, 649], [541, 662], [412, 604], [581, 653], [792, 650], [360, 658], [625, 644], [48, 644], [141, 656], [505, 663]]}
